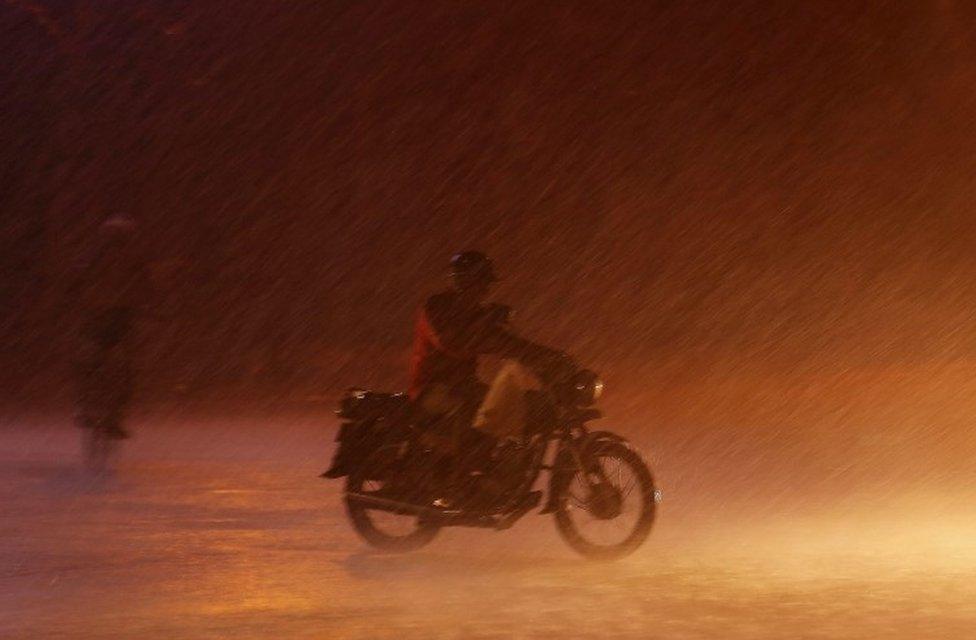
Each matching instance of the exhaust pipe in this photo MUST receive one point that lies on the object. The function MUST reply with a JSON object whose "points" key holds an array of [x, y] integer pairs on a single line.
{"points": [[394, 506], [442, 517]]}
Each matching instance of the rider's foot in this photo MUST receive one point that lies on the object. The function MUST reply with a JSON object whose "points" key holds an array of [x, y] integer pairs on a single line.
{"points": [[443, 503], [468, 501]]}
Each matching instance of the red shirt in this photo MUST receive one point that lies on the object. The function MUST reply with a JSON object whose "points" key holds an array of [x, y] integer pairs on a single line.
{"points": [[446, 343]]}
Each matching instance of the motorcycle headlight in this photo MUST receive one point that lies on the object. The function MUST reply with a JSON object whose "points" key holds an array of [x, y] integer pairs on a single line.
{"points": [[587, 388]]}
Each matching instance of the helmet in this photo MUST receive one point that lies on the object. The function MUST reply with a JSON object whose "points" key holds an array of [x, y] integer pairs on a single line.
{"points": [[470, 268]]}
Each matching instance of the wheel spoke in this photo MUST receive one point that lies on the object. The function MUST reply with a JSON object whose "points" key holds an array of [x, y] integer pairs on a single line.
{"points": [[580, 504], [625, 490], [571, 495]]}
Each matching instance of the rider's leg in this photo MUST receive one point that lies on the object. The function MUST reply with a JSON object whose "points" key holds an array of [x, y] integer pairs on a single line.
{"points": [[503, 412], [87, 373], [458, 449], [498, 424], [120, 376]]}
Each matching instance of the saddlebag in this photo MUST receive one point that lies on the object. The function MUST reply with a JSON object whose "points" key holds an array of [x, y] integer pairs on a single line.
{"points": [[372, 418]]}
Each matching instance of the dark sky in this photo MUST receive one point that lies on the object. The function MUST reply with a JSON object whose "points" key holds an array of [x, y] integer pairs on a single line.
{"points": [[709, 182]]}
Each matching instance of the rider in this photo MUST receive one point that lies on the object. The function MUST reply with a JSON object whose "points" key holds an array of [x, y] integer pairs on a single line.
{"points": [[453, 329], [110, 279]]}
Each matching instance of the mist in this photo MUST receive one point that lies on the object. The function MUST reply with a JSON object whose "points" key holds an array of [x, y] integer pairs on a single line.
{"points": [[753, 220]]}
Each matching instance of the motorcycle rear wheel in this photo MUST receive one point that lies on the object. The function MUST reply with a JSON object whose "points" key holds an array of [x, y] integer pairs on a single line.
{"points": [[569, 505], [366, 522]]}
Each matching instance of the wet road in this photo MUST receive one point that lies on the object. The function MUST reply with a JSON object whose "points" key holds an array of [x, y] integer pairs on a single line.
{"points": [[219, 532]]}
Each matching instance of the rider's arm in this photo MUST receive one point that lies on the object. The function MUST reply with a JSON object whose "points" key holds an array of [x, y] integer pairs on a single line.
{"points": [[541, 359], [489, 334], [546, 362]]}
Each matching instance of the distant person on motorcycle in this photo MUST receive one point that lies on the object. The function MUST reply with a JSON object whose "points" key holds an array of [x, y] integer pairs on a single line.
{"points": [[453, 330]]}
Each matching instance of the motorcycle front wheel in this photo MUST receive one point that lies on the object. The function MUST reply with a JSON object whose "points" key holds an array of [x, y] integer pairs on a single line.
{"points": [[609, 518]]}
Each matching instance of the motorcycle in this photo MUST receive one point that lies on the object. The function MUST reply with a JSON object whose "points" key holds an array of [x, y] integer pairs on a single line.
{"points": [[600, 490]]}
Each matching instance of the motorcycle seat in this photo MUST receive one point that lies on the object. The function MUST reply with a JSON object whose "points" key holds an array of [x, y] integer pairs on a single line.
{"points": [[361, 404]]}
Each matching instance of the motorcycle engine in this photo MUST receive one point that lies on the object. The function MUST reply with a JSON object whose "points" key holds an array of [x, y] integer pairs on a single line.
{"points": [[508, 465]]}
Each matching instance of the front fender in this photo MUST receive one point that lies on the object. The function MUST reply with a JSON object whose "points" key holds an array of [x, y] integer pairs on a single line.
{"points": [[564, 460], [598, 436]]}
